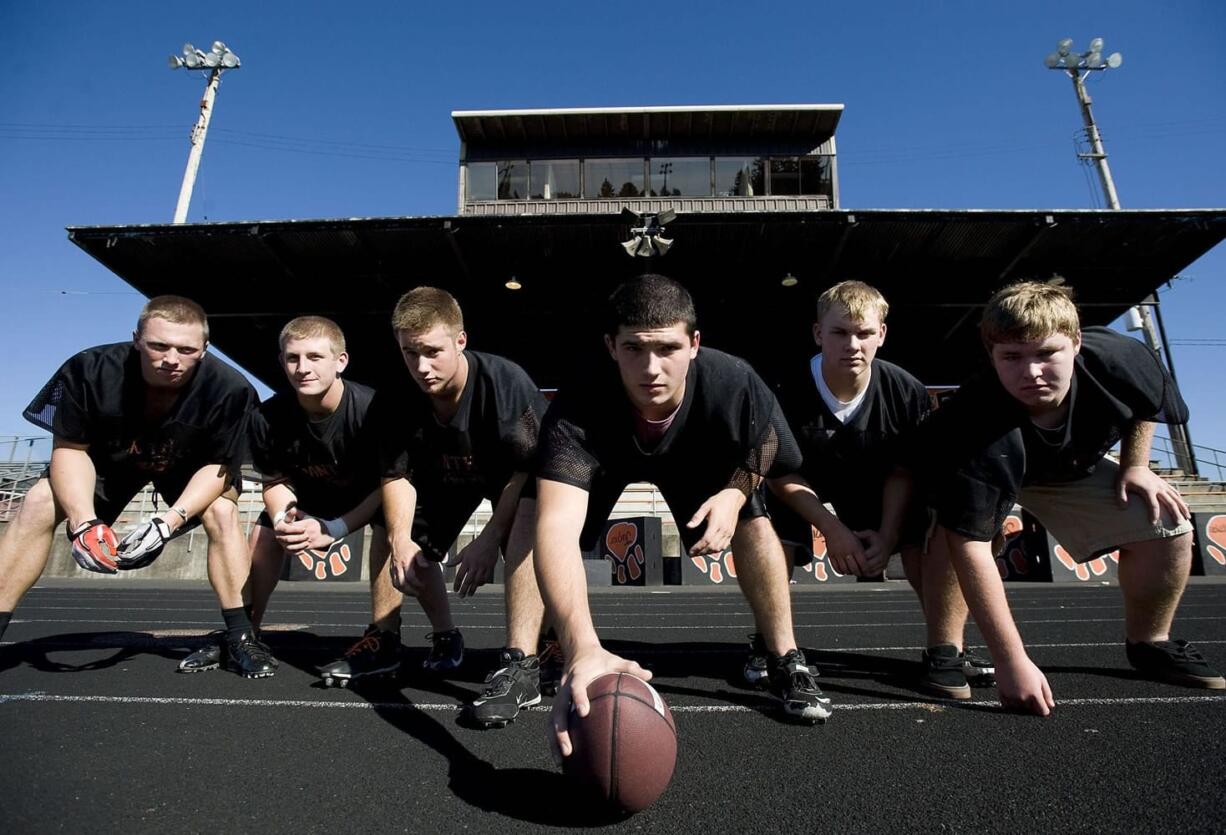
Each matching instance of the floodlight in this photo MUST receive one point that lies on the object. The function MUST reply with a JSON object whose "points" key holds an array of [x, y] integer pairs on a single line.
{"points": [[1052, 61], [194, 60], [212, 60], [512, 283], [661, 245], [175, 62], [229, 60], [1095, 61], [1096, 44], [790, 280], [666, 216], [188, 50], [1114, 60], [219, 47], [1064, 46]]}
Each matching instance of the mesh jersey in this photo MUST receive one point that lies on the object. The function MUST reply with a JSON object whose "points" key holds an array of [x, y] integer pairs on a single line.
{"points": [[729, 431], [98, 398], [847, 463], [332, 465], [980, 448], [492, 436]]}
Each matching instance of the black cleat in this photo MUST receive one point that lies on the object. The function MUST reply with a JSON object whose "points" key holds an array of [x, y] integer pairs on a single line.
{"points": [[245, 655], [794, 682], [514, 686], [447, 652], [943, 673], [978, 667], [375, 654], [208, 657], [756, 670], [1177, 662], [553, 664]]}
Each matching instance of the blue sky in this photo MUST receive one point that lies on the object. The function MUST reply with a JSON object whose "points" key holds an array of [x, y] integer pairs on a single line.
{"points": [[342, 111]]}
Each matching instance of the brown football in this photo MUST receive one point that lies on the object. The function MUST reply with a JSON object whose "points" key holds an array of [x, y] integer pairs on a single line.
{"points": [[626, 747]]}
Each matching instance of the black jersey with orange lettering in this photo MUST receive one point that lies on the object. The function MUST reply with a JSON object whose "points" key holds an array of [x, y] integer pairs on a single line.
{"points": [[98, 397], [331, 464], [980, 448], [492, 435]]}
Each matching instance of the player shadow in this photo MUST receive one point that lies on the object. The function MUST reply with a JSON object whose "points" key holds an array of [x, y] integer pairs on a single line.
{"points": [[128, 645], [846, 673], [308, 652], [533, 795]]}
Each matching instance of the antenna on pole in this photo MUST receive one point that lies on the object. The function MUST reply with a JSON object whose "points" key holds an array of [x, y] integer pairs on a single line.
{"points": [[1078, 67], [215, 61]]}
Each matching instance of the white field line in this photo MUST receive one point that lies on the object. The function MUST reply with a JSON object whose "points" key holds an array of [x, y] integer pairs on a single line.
{"points": [[101, 640], [749, 624], [498, 613], [928, 707]]}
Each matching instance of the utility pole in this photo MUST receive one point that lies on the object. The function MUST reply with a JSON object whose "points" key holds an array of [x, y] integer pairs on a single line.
{"points": [[1078, 67], [216, 61]]}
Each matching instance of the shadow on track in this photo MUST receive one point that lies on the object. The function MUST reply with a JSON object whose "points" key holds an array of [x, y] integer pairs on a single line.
{"points": [[36, 653]]}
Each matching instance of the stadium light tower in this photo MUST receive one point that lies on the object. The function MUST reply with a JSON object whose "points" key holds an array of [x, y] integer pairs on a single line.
{"points": [[216, 61], [1078, 67]]}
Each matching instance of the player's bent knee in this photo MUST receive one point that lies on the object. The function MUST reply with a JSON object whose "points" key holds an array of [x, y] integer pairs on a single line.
{"points": [[39, 512], [220, 517]]}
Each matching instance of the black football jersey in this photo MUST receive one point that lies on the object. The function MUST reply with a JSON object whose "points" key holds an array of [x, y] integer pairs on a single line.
{"points": [[98, 398], [847, 463], [980, 448], [492, 436], [728, 432], [331, 464]]}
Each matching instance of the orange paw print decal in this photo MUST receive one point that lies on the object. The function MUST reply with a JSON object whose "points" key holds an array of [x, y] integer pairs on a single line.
{"points": [[1013, 557], [716, 566], [323, 564], [821, 570], [1096, 567], [1215, 530], [624, 551]]}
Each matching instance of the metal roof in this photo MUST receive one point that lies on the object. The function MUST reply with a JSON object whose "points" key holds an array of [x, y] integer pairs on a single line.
{"points": [[936, 267], [808, 122]]}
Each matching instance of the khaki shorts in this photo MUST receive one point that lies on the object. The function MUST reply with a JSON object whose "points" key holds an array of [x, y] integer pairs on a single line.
{"points": [[1086, 519]]}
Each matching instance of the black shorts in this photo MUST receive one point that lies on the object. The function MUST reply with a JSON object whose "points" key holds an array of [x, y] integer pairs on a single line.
{"points": [[114, 490], [377, 520], [683, 496]]}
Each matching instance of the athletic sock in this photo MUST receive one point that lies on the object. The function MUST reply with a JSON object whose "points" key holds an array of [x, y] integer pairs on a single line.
{"points": [[4, 622], [237, 622]]}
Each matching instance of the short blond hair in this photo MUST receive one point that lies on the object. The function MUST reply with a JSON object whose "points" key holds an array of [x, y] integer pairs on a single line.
{"points": [[1029, 311], [310, 327], [177, 309], [858, 298], [422, 308]]}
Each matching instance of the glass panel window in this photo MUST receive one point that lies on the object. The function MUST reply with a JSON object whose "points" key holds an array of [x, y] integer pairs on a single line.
{"points": [[680, 176], [513, 180], [555, 179], [785, 176], [815, 176], [481, 181], [614, 178], [740, 177]]}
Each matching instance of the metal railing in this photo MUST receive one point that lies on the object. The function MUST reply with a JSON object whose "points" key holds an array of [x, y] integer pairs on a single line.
{"points": [[1210, 462], [23, 458]]}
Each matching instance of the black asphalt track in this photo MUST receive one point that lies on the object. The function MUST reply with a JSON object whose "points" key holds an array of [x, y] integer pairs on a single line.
{"points": [[100, 734]]}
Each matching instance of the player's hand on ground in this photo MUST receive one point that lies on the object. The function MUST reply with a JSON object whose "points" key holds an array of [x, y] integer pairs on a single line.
{"points": [[143, 545], [409, 568], [1159, 495], [877, 550], [476, 563], [720, 512], [844, 550], [95, 547], [1023, 688], [587, 666]]}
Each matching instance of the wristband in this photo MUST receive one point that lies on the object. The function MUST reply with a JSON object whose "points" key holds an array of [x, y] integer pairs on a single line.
{"points": [[280, 517], [335, 528], [181, 511]]}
